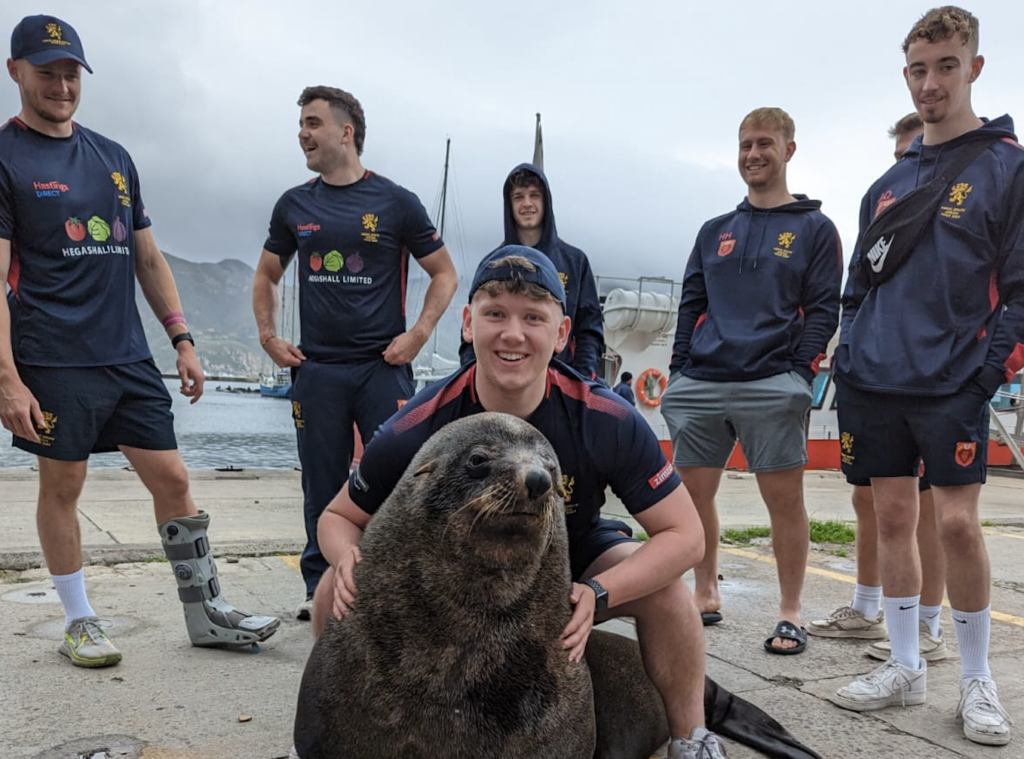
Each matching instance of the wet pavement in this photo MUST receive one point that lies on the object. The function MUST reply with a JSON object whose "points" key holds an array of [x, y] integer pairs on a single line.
{"points": [[168, 700]]}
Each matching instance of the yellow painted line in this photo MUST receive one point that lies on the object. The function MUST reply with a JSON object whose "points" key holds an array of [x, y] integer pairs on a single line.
{"points": [[999, 534], [851, 580], [291, 561]]}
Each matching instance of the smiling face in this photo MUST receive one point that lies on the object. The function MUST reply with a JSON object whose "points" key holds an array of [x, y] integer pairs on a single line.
{"points": [[528, 207], [763, 155], [49, 93], [514, 338], [939, 76], [322, 137]]}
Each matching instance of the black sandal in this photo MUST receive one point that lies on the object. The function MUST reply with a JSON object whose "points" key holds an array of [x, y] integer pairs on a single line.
{"points": [[787, 631]]}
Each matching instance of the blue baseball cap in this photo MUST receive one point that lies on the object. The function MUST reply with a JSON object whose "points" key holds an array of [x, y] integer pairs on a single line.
{"points": [[45, 39], [543, 274]]}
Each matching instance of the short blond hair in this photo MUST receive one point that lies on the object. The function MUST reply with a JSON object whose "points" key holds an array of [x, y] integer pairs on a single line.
{"points": [[772, 118], [940, 24]]}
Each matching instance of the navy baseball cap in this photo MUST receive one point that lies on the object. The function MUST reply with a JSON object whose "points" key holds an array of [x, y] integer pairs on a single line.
{"points": [[45, 39], [544, 273]]}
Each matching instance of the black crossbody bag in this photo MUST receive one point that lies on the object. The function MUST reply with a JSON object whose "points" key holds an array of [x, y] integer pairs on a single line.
{"points": [[892, 236]]}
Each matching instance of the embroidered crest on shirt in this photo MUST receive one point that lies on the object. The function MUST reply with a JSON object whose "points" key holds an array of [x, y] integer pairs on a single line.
{"points": [[785, 240], [726, 243], [122, 187], [370, 222], [957, 196]]}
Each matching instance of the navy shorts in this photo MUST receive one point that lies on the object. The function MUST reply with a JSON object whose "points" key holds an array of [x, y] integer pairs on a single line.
{"points": [[585, 549], [884, 435], [96, 409], [922, 481]]}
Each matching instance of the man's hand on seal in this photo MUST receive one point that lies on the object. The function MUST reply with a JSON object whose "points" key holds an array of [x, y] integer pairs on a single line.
{"points": [[575, 634], [345, 583]]}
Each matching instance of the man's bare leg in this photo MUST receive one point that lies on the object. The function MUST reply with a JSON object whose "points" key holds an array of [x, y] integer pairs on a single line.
{"points": [[671, 641], [166, 478], [60, 485], [702, 484], [783, 494], [933, 557]]}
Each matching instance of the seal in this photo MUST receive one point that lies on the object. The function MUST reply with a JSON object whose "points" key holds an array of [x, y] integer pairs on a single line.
{"points": [[453, 648]]}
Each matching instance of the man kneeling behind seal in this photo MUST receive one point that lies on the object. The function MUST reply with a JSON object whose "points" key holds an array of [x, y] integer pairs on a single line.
{"points": [[516, 322], [467, 661]]}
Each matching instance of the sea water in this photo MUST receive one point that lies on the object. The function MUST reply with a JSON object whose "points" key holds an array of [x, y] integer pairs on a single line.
{"points": [[223, 429]]}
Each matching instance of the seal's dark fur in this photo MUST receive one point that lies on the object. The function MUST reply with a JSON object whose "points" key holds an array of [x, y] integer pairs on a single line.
{"points": [[453, 649]]}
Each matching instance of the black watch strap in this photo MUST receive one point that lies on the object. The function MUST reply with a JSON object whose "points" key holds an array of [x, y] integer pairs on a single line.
{"points": [[182, 338], [600, 595]]}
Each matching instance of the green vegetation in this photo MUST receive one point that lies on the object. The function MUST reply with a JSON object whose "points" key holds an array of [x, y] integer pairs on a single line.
{"points": [[840, 553], [746, 535], [832, 531]]}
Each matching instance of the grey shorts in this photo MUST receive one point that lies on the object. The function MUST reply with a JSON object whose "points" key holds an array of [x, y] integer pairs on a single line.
{"points": [[768, 416]]}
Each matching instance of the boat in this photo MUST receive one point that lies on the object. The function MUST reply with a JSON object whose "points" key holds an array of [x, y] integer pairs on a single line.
{"points": [[640, 323], [276, 385]]}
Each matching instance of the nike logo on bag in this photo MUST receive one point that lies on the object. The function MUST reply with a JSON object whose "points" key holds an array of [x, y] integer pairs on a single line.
{"points": [[878, 253], [912, 606]]}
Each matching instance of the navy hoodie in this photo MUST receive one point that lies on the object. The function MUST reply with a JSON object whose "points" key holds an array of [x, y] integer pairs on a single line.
{"points": [[586, 342], [760, 294], [954, 312]]}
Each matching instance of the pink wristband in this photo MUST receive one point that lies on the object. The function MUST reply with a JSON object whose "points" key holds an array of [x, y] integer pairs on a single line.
{"points": [[175, 317]]}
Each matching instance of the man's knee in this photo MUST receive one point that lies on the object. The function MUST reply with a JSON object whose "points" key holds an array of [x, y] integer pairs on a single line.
{"points": [[61, 483], [673, 600], [958, 529]]}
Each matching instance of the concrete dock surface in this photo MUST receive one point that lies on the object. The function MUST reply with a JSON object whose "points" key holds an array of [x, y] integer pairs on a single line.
{"points": [[169, 700]]}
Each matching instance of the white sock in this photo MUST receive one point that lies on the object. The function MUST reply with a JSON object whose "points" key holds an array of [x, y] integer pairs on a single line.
{"points": [[901, 617], [867, 599], [931, 616], [71, 589], [972, 635]]}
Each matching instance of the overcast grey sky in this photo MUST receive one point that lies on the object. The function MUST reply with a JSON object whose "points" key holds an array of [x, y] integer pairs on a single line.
{"points": [[640, 105]]}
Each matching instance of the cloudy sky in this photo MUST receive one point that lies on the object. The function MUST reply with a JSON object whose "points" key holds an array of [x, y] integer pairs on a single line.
{"points": [[640, 105]]}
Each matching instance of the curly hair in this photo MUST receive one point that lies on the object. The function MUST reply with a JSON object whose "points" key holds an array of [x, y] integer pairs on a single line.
{"points": [[342, 104], [940, 24], [772, 118]]}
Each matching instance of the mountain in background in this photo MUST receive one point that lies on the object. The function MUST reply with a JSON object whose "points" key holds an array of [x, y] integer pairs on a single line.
{"points": [[217, 302]]}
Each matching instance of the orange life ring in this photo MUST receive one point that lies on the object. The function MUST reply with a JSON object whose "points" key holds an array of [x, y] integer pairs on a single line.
{"points": [[655, 377]]}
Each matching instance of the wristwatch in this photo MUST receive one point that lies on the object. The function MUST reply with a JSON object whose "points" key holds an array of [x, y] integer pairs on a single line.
{"points": [[600, 596], [182, 338]]}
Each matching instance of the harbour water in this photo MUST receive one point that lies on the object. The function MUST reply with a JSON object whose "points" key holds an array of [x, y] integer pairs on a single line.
{"points": [[224, 429]]}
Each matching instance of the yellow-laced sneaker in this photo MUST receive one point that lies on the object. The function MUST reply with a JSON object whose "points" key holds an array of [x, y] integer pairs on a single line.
{"points": [[87, 645]]}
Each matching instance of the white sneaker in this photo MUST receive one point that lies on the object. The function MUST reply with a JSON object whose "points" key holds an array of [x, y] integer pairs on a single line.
{"points": [[702, 744], [892, 684], [985, 720], [847, 622], [932, 649]]}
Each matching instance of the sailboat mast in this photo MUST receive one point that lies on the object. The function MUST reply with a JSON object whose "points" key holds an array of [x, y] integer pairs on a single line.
{"points": [[444, 185]]}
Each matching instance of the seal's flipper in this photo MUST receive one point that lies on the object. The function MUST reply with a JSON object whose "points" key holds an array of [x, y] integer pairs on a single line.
{"points": [[631, 719], [733, 717]]}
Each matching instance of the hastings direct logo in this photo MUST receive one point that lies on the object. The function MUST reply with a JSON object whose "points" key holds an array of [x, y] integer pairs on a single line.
{"points": [[49, 189], [305, 230]]}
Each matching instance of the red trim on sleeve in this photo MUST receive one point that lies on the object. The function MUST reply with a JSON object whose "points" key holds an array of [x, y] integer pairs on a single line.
{"points": [[817, 362], [700, 320], [1015, 362], [423, 412], [580, 391]]}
